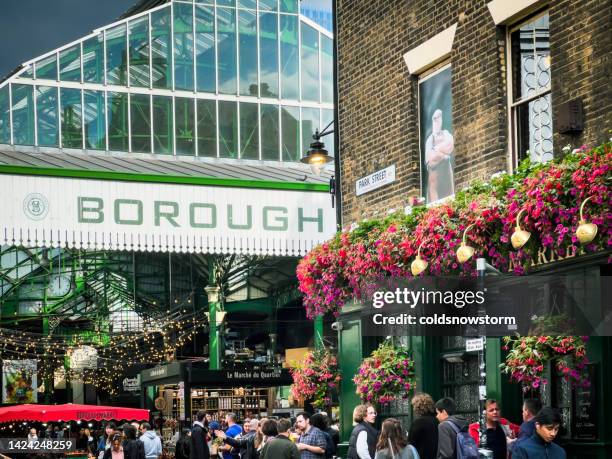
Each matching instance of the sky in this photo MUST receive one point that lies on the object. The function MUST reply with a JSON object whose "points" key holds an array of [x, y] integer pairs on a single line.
{"points": [[29, 28]]}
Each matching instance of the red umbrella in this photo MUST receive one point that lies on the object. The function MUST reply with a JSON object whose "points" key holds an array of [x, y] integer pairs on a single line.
{"points": [[70, 412]]}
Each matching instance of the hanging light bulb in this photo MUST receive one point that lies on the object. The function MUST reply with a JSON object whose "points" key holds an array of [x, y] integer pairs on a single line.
{"points": [[520, 236], [465, 252], [418, 265], [585, 232]]}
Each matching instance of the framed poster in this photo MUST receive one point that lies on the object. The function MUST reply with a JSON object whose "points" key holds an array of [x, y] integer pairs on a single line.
{"points": [[19, 381], [436, 135]]}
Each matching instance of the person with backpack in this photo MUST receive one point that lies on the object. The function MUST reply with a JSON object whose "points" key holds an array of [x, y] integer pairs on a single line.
{"points": [[393, 442], [454, 441]]}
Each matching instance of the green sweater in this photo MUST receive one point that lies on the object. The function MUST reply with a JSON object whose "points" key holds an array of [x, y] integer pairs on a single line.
{"points": [[280, 448]]}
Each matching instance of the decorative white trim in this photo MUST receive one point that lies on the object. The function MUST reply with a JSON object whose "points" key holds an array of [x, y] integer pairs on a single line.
{"points": [[506, 11], [433, 51]]}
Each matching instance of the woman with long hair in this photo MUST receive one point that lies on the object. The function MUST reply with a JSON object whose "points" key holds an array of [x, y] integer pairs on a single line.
{"points": [[393, 443]]}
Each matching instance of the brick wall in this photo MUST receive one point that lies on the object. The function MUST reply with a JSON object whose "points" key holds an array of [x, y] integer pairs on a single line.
{"points": [[378, 97]]}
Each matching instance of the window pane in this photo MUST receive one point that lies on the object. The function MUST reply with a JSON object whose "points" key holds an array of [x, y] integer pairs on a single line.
{"points": [[268, 5], [531, 58], [116, 55], [28, 72], [290, 125], [117, 121], [535, 130], [163, 134], [289, 6], [268, 54], [310, 63], [289, 57], [160, 48], [70, 64], [226, 38], [183, 46], [319, 11], [46, 116], [5, 120], [205, 48], [250, 4], [139, 53], [93, 112], [23, 114], [71, 118], [141, 123], [327, 116], [310, 122], [226, 2], [327, 69], [93, 60], [247, 28], [228, 129], [249, 131], [47, 68], [207, 128], [206, 2], [269, 132], [185, 126]]}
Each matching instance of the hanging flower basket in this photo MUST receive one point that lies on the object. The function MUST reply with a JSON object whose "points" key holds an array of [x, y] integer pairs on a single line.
{"points": [[316, 378], [385, 376], [529, 356]]}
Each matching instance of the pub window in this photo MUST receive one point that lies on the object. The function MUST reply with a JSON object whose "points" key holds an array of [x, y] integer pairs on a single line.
{"points": [[531, 108]]}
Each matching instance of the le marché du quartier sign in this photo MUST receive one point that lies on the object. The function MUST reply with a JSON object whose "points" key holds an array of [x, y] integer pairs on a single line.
{"points": [[51, 211]]}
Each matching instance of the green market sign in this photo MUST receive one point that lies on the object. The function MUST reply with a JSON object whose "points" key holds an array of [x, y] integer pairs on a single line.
{"points": [[53, 211]]}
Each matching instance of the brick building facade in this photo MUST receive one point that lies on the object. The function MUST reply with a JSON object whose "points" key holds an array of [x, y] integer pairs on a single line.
{"points": [[378, 96]]}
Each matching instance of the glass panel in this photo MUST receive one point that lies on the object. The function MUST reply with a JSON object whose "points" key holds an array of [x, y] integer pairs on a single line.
{"points": [[207, 128], [327, 69], [28, 73], [226, 39], [268, 5], [289, 6], [185, 126], [290, 124], [250, 4], [228, 129], [160, 48], [71, 118], [531, 58], [289, 57], [249, 131], [163, 134], [47, 68], [206, 2], [310, 63], [319, 11], [247, 28], [268, 54], [117, 121], [140, 105], [205, 48], [23, 114], [269, 132], [70, 64], [93, 60], [116, 55], [226, 2], [93, 112], [139, 53], [5, 120], [183, 46], [327, 116], [46, 116], [310, 122], [535, 130]]}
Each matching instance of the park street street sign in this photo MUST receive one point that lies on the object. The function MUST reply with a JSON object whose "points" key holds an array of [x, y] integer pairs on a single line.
{"points": [[376, 180]]}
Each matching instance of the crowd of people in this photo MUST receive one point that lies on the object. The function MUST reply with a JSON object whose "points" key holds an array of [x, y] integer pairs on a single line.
{"points": [[439, 432]]}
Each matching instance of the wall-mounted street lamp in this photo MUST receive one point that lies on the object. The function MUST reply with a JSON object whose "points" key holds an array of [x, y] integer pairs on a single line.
{"points": [[520, 236], [317, 156], [465, 251]]}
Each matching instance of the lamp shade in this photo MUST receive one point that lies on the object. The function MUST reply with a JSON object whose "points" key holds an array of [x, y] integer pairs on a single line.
{"points": [[317, 157]]}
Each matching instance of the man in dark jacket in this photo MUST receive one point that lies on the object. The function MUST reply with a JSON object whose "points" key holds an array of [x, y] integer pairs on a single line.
{"points": [[540, 445], [199, 445], [245, 443], [447, 437], [281, 447], [531, 407]]}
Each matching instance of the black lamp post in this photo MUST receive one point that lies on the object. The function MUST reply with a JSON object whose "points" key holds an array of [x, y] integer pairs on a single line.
{"points": [[317, 156]]}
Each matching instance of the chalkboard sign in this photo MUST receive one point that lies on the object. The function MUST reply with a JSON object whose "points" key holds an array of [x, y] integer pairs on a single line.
{"points": [[584, 413]]}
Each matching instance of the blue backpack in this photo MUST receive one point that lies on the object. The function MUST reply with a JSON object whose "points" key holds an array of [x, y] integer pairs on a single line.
{"points": [[465, 446]]}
